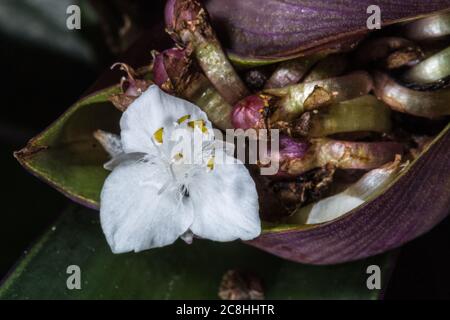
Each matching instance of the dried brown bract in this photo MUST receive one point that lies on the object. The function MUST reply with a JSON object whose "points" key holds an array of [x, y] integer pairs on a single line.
{"points": [[307, 188], [132, 85]]}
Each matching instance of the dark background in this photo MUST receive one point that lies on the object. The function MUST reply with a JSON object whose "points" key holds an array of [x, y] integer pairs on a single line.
{"points": [[45, 68]]}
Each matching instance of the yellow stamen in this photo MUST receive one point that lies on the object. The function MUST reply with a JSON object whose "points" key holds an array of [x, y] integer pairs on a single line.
{"points": [[198, 124], [158, 135], [210, 163], [266, 99], [183, 119]]}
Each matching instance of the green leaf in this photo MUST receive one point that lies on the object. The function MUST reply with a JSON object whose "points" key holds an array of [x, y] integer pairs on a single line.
{"points": [[67, 156], [180, 271]]}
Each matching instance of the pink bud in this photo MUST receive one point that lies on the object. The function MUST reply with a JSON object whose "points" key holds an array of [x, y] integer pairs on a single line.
{"points": [[169, 14], [178, 13], [249, 113], [163, 65]]}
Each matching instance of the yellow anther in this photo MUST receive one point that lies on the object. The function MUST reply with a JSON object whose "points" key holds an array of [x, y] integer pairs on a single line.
{"points": [[210, 163], [183, 119], [158, 135], [266, 99], [198, 124]]}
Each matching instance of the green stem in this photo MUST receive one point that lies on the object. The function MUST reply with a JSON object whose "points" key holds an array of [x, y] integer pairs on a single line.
{"points": [[429, 28], [219, 70], [433, 69], [358, 115], [343, 155], [428, 104], [192, 85], [291, 72], [296, 99], [188, 23]]}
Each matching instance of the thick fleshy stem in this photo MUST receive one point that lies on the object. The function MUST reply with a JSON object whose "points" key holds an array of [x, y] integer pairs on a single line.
{"points": [[433, 69], [363, 114], [429, 28], [178, 74], [291, 72], [188, 23], [428, 104], [297, 157], [294, 100]]}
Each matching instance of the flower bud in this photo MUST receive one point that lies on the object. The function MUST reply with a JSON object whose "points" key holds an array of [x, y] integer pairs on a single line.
{"points": [[164, 64], [249, 112]]}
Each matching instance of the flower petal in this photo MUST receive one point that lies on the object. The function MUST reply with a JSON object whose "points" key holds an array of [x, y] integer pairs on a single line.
{"points": [[154, 110], [225, 202], [122, 157], [110, 142], [139, 210]]}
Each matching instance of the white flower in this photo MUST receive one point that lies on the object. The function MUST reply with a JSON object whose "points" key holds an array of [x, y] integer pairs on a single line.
{"points": [[158, 191]]}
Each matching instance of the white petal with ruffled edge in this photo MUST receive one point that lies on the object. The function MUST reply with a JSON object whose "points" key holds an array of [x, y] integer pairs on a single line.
{"points": [[135, 215], [225, 203]]}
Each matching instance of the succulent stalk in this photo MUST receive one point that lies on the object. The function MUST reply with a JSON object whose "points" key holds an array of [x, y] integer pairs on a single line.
{"points": [[434, 68], [177, 73], [291, 72], [188, 23], [363, 114], [294, 100], [296, 157], [433, 27], [428, 104]]}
